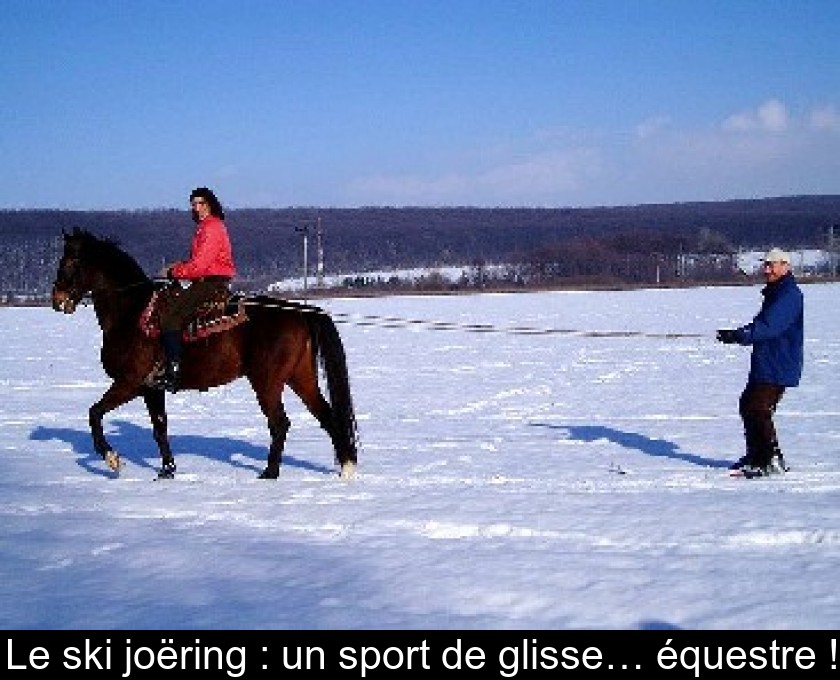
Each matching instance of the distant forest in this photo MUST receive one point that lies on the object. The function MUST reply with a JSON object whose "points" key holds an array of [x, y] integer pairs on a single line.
{"points": [[537, 246]]}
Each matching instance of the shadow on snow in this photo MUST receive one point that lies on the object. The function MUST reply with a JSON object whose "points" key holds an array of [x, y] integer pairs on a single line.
{"points": [[135, 444], [659, 448]]}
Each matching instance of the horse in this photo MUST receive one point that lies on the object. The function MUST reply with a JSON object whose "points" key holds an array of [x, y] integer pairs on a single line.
{"points": [[279, 343]]}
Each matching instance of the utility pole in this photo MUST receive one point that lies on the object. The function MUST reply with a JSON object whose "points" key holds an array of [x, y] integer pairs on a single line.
{"points": [[319, 241], [304, 229], [657, 260]]}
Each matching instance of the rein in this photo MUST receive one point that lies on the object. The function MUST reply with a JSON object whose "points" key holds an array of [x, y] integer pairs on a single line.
{"points": [[428, 324], [401, 322], [88, 297], [397, 322]]}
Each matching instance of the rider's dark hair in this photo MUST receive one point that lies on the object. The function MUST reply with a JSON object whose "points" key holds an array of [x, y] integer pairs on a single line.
{"points": [[212, 201]]}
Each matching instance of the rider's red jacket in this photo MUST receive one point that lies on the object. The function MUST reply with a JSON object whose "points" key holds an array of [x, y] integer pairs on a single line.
{"points": [[210, 252]]}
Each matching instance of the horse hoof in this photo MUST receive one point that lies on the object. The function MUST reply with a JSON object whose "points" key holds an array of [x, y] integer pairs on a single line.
{"points": [[269, 474], [112, 460], [348, 471], [167, 471]]}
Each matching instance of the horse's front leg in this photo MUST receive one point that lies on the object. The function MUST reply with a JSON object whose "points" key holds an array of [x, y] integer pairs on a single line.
{"points": [[115, 396], [156, 405]]}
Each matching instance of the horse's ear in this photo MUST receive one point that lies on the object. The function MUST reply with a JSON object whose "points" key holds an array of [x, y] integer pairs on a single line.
{"points": [[76, 233]]}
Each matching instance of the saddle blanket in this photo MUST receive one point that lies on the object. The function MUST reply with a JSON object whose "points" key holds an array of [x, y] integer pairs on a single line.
{"points": [[211, 318]]}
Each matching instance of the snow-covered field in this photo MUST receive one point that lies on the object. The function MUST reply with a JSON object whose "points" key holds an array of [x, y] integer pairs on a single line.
{"points": [[507, 480]]}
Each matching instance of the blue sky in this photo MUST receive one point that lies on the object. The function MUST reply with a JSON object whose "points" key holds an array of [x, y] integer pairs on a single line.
{"points": [[339, 103]]}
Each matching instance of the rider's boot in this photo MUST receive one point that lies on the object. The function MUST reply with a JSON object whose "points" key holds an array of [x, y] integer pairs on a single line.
{"points": [[171, 341]]}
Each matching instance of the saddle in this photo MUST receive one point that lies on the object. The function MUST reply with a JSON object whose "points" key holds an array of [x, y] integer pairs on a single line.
{"points": [[221, 314]]}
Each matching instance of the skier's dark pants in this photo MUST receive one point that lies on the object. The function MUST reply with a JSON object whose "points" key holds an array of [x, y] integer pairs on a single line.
{"points": [[181, 308], [757, 405]]}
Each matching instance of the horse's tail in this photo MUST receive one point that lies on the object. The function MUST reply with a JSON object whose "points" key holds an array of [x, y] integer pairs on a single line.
{"points": [[329, 350]]}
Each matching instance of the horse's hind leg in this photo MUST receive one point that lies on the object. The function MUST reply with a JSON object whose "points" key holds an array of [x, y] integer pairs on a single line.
{"points": [[305, 385], [156, 406]]}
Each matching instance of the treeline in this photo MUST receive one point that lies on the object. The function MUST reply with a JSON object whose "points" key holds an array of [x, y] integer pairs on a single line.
{"points": [[539, 245]]}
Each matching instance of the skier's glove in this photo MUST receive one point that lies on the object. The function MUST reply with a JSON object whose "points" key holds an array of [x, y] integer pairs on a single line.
{"points": [[727, 336]]}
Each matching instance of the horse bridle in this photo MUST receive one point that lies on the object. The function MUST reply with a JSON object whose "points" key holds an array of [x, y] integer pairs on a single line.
{"points": [[67, 292], [70, 293]]}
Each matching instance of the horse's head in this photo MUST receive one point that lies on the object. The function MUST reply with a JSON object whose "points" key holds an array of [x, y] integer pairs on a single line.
{"points": [[72, 281], [91, 265]]}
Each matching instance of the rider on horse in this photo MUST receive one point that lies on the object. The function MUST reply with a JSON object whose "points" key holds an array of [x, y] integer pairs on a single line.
{"points": [[208, 270]]}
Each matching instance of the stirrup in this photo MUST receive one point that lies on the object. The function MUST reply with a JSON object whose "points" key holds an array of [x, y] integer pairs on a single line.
{"points": [[172, 377], [155, 379]]}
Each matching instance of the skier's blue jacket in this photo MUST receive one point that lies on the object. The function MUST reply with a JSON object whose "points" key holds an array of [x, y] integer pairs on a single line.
{"points": [[777, 335]]}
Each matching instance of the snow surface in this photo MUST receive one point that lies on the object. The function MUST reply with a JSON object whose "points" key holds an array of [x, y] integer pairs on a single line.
{"points": [[507, 479]]}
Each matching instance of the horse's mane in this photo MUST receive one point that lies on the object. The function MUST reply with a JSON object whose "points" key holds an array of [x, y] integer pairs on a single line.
{"points": [[108, 254]]}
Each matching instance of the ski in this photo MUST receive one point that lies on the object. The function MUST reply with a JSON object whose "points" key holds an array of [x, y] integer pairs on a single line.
{"points": [[756, 473]]}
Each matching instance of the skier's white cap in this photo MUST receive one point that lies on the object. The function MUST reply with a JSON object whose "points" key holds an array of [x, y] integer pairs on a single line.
{"points": [[777, 255]]}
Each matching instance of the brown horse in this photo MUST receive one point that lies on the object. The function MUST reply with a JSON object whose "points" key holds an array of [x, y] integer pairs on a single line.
{"points": [[280, 343]]}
